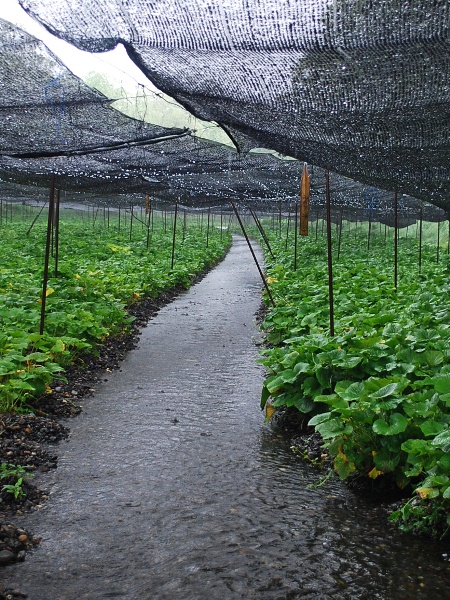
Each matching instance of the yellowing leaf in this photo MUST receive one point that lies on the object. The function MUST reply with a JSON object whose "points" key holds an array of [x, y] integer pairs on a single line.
{"points": [[77, 277], [49, 291], [270, 410], [272, 280], [374, 473], [343, 466], [427, 492]]}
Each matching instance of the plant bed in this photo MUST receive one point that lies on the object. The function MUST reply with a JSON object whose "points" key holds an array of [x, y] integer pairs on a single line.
{"points": [[25, 438]]}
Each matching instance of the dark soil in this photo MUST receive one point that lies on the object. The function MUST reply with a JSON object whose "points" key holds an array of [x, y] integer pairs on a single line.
{"points": [[29, 439]]}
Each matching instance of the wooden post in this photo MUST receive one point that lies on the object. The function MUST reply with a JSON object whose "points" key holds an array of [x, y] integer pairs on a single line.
{"points": [[304, 201]]}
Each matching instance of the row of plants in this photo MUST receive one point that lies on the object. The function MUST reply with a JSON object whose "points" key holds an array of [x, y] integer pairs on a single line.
{"points": [[378, 391], [100, 272]]}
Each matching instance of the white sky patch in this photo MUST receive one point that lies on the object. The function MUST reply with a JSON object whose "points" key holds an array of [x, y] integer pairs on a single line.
{"points": [[121, 72], [115, 64]]}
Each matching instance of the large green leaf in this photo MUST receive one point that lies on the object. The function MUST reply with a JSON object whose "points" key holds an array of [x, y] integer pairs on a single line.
{"points": [[353, 392], [397, 424], [333, 427], [386, 390], [431, 427], [442, 440]]}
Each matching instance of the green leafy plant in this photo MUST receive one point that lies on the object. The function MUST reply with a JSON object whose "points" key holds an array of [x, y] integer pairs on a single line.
{"points": [[15, 489], [378, 391], [11, 472], [101, 272]]}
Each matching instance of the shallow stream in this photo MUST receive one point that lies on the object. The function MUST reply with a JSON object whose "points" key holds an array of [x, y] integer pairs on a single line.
{"points": [[171, 487]]}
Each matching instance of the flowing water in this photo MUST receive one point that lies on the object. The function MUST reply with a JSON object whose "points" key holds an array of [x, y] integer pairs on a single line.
{"points": [[171, 487]]}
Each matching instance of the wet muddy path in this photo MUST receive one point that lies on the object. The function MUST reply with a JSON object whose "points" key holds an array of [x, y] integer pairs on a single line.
{"points": [[170, 486]]}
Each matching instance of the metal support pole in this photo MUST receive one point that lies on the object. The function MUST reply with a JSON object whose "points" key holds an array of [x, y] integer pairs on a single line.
{"points": [[330, 256], [149, 219], [253, 253], [395, 240], [58, 200], [340, 234], [448, 238], [279, 218], [207, 227], [420, 236], [295, 234], [131, 220], [438, 239], [36, 218], [261, 230], [288, 227], [174, 234], [51, 207]]}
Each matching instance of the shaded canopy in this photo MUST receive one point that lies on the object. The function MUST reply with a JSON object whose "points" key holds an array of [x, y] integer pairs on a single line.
{"points": [[357, 87]]}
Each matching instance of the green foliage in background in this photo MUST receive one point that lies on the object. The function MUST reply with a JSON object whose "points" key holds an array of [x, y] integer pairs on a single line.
{"points": [[378, 392], [100, 273]]}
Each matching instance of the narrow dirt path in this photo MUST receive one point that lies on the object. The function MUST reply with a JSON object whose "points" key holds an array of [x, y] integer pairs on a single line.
{"points": [[170, 487]]}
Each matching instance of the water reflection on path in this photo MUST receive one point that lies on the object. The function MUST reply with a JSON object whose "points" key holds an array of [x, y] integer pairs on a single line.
{"points": [[171, 487]]}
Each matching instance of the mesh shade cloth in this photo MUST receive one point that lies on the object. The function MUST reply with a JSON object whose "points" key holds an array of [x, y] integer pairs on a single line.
{"points": [[356, 86]]}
